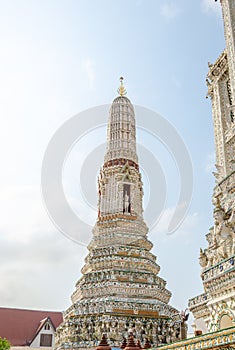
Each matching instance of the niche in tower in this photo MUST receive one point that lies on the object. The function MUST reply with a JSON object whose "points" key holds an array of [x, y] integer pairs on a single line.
{"points": [[229, 92], [126, 199]]}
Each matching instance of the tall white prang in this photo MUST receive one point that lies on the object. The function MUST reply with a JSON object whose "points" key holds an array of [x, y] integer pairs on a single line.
{"points": [[120, 292]]}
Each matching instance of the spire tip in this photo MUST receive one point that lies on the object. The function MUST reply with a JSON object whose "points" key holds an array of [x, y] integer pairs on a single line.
{"points": [[121, 89]]}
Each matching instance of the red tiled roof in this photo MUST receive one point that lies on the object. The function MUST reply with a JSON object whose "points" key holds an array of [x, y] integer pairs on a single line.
{"points": [[20, 326]]}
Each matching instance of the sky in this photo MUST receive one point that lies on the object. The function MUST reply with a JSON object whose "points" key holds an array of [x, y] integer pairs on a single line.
{"points": [[59, 58]]}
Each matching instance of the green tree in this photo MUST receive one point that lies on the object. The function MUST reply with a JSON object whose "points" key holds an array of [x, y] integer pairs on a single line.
{"points": [[4, 344]]}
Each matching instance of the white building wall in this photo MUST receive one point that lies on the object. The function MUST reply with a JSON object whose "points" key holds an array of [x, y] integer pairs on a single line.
{"points": [[36, 342]]}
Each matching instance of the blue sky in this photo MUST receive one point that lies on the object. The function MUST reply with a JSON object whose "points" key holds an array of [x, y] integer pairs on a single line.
{"points": [[61, 57]]}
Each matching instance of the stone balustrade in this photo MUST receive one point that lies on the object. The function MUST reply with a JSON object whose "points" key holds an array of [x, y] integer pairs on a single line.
{"points": [[198, 300], [222, 267]]}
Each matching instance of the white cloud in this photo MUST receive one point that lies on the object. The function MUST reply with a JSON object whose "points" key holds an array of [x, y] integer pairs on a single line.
{"points": [[22, 212], [45, 268], [211, 5], [35, 258], [170, 11]]}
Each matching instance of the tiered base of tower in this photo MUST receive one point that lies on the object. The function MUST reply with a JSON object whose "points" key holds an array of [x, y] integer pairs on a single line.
{"points": [[119, 292]]}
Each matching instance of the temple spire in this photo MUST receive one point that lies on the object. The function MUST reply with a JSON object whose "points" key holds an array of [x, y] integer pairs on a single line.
{"points": [[121, 133], [120, 290]]}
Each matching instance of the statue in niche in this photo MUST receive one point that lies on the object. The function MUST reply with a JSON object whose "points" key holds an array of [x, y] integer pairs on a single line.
{"points": [[126, 202], [97, 331], [84, 333], [113, 335], [126, 199], [223, 233], [210, 253]]}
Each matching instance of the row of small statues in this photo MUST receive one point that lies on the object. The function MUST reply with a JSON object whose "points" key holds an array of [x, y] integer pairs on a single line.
{"points": [[221, 238], [92, 334]]}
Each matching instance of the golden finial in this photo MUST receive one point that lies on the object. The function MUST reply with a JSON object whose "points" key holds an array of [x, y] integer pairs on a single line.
{"points": [[121, 89]]}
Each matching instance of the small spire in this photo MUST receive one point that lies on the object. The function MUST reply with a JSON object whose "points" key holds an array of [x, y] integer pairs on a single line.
{"points": [[124, 343], [131, 344], [147, 344], [103, 345], [121, 89]]}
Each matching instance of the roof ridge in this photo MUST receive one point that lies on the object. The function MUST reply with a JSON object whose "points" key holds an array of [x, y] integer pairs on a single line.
{"points": [[33, 310]]}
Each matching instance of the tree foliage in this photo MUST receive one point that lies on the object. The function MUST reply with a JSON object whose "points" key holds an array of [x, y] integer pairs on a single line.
{"points": [[4, 344]]}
